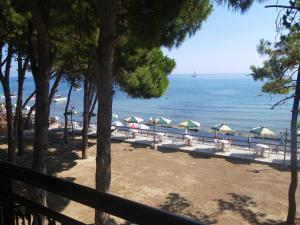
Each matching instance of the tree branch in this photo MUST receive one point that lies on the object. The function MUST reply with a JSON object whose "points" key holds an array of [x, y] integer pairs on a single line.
{"points": [[283, 6], [8, 62], [282, 101], [28, 99]]}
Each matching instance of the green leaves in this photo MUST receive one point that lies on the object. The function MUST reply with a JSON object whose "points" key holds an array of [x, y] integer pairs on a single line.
{"points": [[156, 23], [283, 61], [143, 73]]}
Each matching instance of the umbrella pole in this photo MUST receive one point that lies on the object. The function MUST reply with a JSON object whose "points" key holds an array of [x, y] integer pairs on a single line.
{"points": [[249, 141], [284, 154], [154, 123]]}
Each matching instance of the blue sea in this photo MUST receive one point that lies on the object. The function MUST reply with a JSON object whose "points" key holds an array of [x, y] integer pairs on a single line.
{"points": [[234, 99]]}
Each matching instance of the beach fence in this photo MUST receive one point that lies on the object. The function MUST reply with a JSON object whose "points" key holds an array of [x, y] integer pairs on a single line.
{"points": [[275, 150], [209, 138]]}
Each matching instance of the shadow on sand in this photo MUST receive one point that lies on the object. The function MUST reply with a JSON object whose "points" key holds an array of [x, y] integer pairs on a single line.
{"points": [[180, 205], [245, 206]]}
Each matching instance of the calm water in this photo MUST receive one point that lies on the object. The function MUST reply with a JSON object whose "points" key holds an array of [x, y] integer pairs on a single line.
{"points": [[209, 99]]}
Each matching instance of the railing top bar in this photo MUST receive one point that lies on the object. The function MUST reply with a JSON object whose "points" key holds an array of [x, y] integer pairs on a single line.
{"points": [[117, 206]]}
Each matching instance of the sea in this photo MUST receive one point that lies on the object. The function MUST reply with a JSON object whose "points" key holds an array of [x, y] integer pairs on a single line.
{"points": [[235, 99]]}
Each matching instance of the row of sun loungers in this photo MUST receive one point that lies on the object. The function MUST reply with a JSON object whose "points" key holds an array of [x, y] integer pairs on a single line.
{"points": [[259, 150]]}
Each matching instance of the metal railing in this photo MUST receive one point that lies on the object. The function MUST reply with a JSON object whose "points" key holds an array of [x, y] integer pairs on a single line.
{"points": [[16, 209], [209, 138]]}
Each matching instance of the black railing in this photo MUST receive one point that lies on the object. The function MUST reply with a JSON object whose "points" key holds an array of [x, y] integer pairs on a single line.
{"points": [[15, 209]]}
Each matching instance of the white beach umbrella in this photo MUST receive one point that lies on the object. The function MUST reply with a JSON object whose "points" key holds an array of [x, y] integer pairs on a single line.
{"points": [[143, 127], [133, 119], [117, 124]]}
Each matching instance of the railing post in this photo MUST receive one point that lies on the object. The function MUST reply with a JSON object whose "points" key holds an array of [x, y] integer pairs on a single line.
{"points": [[6, 203]]}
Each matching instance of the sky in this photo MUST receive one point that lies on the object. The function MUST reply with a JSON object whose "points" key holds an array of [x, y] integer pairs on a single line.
{"points": [[227, 41]]}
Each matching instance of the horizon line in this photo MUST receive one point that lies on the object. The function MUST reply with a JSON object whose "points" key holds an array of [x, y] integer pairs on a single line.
{"points": [[227, 73]]}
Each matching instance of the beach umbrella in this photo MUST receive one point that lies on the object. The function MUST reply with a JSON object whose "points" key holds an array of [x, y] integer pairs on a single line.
{"points": [[159, 121], [114, 116], [133, 125], [143, 127], [190, 124], [117, 124], [262, 131], [133, 119], [222, 128]]}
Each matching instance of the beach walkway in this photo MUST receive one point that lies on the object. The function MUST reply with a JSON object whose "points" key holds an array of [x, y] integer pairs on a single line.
{"points": [[269, 157]]}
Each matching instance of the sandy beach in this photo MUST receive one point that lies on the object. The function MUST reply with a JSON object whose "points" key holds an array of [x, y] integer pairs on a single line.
{"points": [[210, 190]]}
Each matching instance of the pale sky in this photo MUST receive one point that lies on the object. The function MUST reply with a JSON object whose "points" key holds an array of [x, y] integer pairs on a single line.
{"points": [[227, 41]]}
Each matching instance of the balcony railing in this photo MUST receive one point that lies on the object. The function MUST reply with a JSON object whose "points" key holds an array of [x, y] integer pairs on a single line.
{"points": [[16, 209]]}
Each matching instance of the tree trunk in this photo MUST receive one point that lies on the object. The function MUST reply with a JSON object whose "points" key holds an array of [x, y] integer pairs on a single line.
{"points": [[95, 100], [28, 99], [294, 176], [66, 114], [85, 127], [54, 86], [28, 117], [11, 141], [41, 72], [105, 53], [18, 121]]}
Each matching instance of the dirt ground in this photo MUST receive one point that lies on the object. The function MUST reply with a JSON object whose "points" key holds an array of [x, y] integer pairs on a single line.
{"points": [[210, 190]]}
